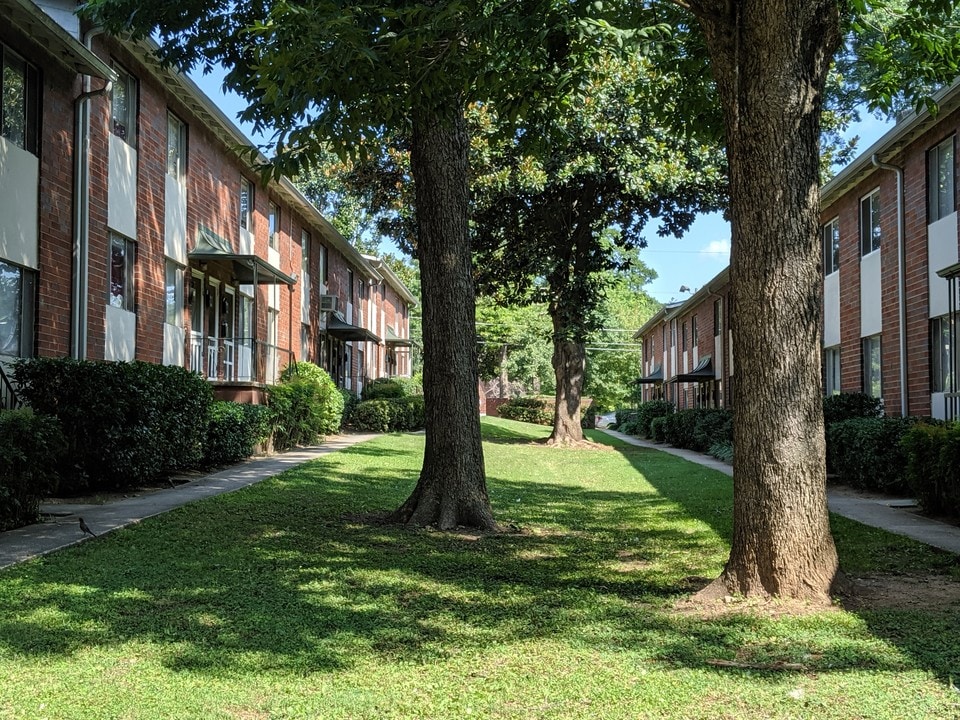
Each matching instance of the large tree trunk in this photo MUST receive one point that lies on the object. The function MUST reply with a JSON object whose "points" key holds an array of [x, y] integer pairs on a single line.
{"points": [[770, 61], [452, 489], [569, 358]]}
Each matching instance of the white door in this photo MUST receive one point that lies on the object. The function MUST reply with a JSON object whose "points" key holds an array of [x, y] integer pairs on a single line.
{"points": [[213, 330], [196, 323]]}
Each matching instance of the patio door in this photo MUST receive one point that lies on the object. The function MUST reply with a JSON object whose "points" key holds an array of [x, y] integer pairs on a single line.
{"points": [[227, 319], [195, 296], [271, 369], [244, 339]]}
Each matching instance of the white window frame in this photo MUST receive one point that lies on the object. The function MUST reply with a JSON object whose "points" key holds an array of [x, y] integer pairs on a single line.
{"points": [[941, 180], [246, 203], [19, 116], [873, 366], [831, 371], [940, 359], [173, 293], [123, 120], [16, 310], [176, 148], [122, 295], [831, 247], [273, 226], [871, 235]]}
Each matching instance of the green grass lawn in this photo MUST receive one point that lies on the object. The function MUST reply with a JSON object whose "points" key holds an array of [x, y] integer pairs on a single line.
{"points": [[284, 600]]}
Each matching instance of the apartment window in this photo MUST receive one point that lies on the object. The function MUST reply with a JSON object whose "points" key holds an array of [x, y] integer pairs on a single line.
{"points": [[673, 333], [870, 223], [246, 204], [305, 273], [173, 294], [718, 317], [831, 371], [831, 247], [122, 256], [363, 290], [663, 336], [176, 148], [872, 380], [940, 359], [20, 93], [940, 178], [350, 286], [17, 294], [123, 106], [324, 268], [694, 335], [683, 337], [274, 226]]}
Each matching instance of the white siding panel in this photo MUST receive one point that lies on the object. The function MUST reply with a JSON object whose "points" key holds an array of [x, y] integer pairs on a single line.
{"points": [[122, 188], [173, 342], [19, 198], [175, 220], [246, 242], [831, 310], [941, 252], [871, 317], [121, 331], [937, 408]]}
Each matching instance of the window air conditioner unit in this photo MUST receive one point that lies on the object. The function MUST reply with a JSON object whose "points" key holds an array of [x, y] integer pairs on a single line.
{"points": [[329, 303]]}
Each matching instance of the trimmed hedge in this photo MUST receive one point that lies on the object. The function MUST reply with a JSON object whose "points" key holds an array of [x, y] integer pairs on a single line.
{"points": [[531, 410], [866, 452], [658, 429], [389, 414], [933, 466], [646, 414], [847, 406], [124, 422], [31, 446], [392, 387], [234, 432]]}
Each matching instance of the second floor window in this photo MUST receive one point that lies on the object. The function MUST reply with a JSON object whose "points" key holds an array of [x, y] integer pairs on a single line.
{"points": [[19, 92], [123, 106], [694, 335], [870, 223], [940, 174], [246, 204], [831, 247], [176, 148], [274, 226]]}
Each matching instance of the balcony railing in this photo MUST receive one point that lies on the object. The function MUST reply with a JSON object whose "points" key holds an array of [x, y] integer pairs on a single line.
{"points": [[244, 360], [951, 403], [9, 400]]}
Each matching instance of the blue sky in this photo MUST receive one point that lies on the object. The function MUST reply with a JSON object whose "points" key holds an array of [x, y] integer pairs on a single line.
{"points": [[690, 261]]}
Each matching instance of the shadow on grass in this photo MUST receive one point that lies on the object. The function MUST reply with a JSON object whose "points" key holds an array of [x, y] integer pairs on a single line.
{"points": [[918, 633]]}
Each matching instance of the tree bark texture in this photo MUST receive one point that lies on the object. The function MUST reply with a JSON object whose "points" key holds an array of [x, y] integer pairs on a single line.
{"points": [[452, 488], [569, 359], [770, 61]]}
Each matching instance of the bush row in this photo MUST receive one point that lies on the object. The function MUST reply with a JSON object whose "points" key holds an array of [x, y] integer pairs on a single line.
{"points": [[391, 414], [528, 409], [30, 448]]}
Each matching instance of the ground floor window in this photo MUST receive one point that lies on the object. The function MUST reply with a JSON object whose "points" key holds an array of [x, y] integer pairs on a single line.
{"points": [[831, 371], [940, 355], [17, 293], [122, 256], [173, 294], [872, 377]]}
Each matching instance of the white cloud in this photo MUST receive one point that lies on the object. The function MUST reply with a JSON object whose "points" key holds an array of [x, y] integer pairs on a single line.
{"points": [[718, 250]]}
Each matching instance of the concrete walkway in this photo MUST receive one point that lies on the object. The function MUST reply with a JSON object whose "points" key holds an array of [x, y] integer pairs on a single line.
{"points": [[63, 527], [882, 512]]}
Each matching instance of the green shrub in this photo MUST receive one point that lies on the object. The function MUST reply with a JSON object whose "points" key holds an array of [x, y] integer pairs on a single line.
{"points": [[680, 427], [531, 410], [933, 466], [866, 452], [722, 451], [630, 426], [648, 411], [327, 397], [588, 418], [124, 422], [234, 431], [350, 402], [31, 447], [658, 429], [389, 415], [712, 426], [847, 406], [382, 389], [621, 417]]}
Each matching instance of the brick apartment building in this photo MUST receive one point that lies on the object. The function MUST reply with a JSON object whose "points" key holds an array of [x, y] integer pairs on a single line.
{"points": [[132, 226], [890, 284]]}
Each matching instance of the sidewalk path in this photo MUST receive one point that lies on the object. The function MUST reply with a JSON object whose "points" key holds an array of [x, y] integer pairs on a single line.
{"points": [[884, 513], [63, 529]]}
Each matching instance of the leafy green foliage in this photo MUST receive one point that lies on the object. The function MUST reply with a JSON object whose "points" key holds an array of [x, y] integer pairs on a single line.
{"points": [[846, 406], [393, 387], [389, 414], [31, 447], [234, 432], [933, 466], [866, 452], [531, 410], [647, 412], [306, 404], [124, 423]]}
